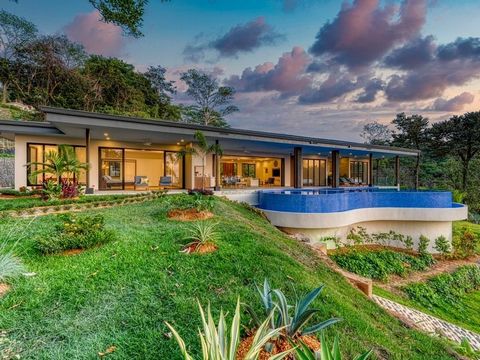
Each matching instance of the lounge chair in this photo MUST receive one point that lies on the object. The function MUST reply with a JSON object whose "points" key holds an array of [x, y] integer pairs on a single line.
{"points": [[165, 181], [141, 182], [109, 181]]}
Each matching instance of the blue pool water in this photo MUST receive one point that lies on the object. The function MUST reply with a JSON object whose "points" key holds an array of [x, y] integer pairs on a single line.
{"points": [[344, 199]]}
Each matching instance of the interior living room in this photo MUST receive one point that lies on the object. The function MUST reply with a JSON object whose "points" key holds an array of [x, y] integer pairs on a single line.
{"points": [[249, 171], [139, 169]]}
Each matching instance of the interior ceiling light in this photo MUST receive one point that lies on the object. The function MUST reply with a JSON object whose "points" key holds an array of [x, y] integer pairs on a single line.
{"points": [[108, 138], [182, 140], [106, 134]]}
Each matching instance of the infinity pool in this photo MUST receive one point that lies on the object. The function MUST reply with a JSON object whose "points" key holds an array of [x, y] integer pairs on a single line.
{"points": [[337, 200]]}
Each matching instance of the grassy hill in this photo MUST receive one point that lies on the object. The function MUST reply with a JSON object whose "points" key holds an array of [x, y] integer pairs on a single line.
{"points": [[121, 293]]}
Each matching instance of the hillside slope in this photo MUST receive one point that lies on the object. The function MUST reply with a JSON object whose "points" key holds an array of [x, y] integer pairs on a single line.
{"points": [[121, 293]]}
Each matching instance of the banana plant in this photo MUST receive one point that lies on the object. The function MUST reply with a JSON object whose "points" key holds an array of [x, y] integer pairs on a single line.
{"points": [[303, 352], [218, 344]]}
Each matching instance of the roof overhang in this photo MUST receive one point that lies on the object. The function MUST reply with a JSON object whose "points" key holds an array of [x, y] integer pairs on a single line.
{"points": [[72, 123], [8, 128]]}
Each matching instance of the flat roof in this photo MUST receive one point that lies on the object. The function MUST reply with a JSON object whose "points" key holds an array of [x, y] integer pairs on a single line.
{"points": [[58, 117]]}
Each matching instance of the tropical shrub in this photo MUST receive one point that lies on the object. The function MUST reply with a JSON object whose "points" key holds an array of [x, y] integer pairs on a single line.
{"points": [[423, 243], [408, 242], [380, 264], [445, 288], [205, 192], [295, 325], [196, 201], [302, 351], [442, 245], [466, 245], [218, 344], [75, 232]]}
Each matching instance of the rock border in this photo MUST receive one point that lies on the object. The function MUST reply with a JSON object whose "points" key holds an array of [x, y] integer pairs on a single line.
{"points": [[77, 207]]}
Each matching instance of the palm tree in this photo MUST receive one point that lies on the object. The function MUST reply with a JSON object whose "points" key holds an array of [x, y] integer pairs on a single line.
{"points": [[202, 149], [62, 163]]}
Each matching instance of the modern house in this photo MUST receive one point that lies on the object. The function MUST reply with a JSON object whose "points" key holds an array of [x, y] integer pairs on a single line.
{"points": [[123, 150], [120, 148]]}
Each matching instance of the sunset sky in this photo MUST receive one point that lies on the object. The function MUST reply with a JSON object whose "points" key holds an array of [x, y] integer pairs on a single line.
{"points": [[310, 67]]}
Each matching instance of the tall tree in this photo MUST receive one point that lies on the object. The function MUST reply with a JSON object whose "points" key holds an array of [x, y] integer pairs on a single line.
{"points": [[15, 32], [376, 134], [411, 132], [212, 101], [458, 136], [45, 72]]}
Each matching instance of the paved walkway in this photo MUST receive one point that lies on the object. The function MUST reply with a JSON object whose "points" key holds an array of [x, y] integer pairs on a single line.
{"points": [[428, 323]]}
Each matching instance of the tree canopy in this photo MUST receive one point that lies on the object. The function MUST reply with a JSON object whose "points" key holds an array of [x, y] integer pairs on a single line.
{"points": [[212, 101]]}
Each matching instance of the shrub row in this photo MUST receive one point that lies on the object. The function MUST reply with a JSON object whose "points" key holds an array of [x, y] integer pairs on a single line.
{"points": [[445, 288], [75, 232], [92, 202], [380, 264]]}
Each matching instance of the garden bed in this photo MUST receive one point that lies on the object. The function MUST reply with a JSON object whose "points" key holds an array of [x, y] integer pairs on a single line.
{"points": [[189, 214]]}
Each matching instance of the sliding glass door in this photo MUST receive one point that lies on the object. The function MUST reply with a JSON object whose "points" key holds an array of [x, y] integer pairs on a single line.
{"points": [[314, 172], [119, 167]]}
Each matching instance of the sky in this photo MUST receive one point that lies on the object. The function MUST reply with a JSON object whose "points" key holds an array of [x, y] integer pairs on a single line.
{"points": [[309, 67]]}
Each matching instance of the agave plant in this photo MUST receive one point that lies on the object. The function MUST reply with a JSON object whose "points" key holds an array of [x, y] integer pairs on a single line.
{"points": [[10, 265], [201, 233], [302, 352], [295, 325], [218, 344]]}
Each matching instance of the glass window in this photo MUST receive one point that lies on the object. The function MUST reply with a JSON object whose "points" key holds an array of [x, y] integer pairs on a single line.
{"points": [[314, 172], [37, 153], [111, 169], [248, 170], [359, 171], [173, 168]]}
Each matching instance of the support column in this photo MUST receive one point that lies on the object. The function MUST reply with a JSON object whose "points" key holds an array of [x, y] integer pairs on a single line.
{"points": [[397, 171], [370, 169], [88, 189], [335, 169], [217, 170], [298, 163]]}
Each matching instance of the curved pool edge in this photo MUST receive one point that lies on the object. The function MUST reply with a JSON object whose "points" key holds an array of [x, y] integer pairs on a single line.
{"points": [[351, 217]]}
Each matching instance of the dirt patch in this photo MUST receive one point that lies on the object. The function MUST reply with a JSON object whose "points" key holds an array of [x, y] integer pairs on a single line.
{"points": [[442, 266], [199, 248], [4, 288], [71, 252], [280, 345], [7, 197], [188, 215]]}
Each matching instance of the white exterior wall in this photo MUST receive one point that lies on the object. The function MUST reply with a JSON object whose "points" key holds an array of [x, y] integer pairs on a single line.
{"points": [[432, 222]]}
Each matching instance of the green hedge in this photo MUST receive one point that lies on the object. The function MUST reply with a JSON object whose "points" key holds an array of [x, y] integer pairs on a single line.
{"points": [[380, 264]]}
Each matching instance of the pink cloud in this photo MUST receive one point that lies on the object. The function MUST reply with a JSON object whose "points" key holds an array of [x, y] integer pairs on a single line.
{"points": [[96, 36], [287, 76]]}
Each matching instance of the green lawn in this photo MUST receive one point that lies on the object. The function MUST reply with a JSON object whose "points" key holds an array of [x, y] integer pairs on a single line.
{"points": [[121, 293]]}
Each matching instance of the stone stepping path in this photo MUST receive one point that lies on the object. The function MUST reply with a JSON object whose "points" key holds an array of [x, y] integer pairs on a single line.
{"points": [[428, 323]]}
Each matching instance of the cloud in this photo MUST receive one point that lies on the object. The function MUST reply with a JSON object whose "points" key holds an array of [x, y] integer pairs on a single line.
{"points": [[454, 64], [287, 76], [370, 91], [454, 104], [241, 38], [460, 48], [336, 85], [418, 52], [96, 36], [363, 32]]}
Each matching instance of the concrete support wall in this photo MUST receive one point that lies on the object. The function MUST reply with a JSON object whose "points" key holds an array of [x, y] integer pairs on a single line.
{"points": [[431, 230]]}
